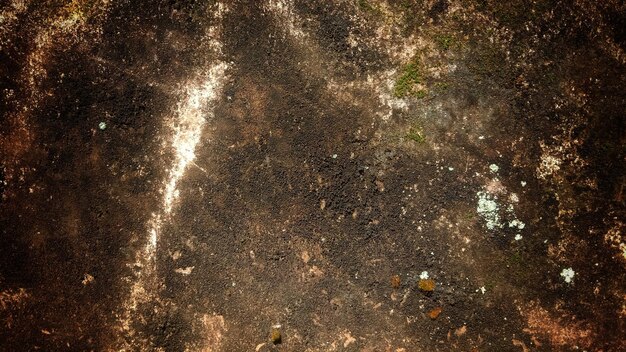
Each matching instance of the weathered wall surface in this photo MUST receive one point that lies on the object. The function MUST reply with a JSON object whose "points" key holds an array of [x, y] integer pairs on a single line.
{"points": [[189, 175]]}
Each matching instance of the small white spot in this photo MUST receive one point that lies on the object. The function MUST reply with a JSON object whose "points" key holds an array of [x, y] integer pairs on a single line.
{"points": [[523, 183], [450, 169], [186, 271], [568, 274], [102, 126], [518, 237], [334, 156], [494, 168], [481, 137], [483, 290], [516, 223], [424, 275]]}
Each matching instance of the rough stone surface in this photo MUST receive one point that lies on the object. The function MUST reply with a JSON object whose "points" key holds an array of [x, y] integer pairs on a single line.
{"points": [[271, 162]]}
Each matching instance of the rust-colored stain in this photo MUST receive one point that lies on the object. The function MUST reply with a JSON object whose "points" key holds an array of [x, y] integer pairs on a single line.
{"points": [[426, 285], [435, 312]]}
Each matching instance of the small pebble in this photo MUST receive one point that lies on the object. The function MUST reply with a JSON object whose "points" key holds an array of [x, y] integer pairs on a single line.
{"points": [[434, 313], [275, 335], [396, 281], [426, 285]]}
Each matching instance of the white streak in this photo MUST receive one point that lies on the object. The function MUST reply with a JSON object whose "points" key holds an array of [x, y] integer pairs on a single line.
{"points": [[188, 126], [196, 108]]}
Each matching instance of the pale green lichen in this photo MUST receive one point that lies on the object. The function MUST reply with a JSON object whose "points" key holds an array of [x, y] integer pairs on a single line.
{"points": [[489, 210]]}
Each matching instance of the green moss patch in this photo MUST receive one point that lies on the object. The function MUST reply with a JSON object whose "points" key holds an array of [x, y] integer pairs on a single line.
{"points": [[406, 85]]}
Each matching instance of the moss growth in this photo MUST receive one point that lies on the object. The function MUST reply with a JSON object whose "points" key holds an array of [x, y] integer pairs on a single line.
{"points": [[444, 41], [408, 81], [369, 8], [412, 14], [420, 94], [416, 135], [442, 86]]}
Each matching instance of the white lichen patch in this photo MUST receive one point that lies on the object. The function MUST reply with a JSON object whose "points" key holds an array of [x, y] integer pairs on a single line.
{"points": [[517, 224], [568, 274], [496, 205], [489, 209], [518, 237], [424, 275]]}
